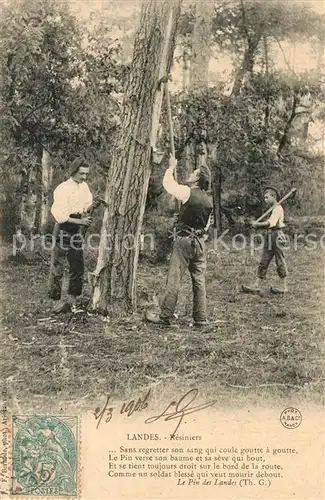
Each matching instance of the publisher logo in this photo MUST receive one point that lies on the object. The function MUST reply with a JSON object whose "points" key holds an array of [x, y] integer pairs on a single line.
{"points": [[291, 418]]}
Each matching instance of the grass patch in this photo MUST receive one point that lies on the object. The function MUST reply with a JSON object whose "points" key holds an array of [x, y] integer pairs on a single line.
{"points": [[256, 350]]}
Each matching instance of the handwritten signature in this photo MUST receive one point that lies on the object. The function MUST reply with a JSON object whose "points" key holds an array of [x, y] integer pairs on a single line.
{"points": [[127, 408], [182, 408]]}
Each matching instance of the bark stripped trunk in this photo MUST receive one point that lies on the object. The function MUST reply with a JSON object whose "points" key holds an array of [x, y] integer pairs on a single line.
{"points": [[114, 279]]}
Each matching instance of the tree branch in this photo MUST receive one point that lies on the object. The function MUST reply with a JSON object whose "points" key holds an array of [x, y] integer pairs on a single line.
{"points": [[284, 56], [34, 111], [243, 11]]}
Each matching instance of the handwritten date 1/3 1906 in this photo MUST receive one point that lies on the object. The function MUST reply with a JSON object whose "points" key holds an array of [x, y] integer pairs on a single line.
{"points": [[176, 409], [126, 408]]}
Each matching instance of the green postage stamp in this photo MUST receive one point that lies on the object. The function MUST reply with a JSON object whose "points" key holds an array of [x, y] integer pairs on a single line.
{"points": [[45, 456]]}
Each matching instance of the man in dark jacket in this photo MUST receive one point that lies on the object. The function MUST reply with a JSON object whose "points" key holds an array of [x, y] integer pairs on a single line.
{"points": [[189, 247]]}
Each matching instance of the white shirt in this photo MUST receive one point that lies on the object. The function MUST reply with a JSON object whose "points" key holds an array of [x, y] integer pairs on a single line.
{"points": [[70, 198], [179, 191], [277, 217]]}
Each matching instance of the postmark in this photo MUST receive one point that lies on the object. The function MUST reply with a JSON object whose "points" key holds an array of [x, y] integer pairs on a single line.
{"points": [[291, 418], [45, 456]]}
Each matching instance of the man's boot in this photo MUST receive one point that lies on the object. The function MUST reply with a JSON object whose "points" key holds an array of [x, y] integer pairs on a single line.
{"points": [[282, 288], [256, 288]]}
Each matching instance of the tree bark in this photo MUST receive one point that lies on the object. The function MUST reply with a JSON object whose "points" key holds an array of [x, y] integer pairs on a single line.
{"points": [[114, 279]]}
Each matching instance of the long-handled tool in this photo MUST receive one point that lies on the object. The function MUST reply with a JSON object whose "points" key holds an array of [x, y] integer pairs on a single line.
{"points": [[291, 192], [170, 120]]}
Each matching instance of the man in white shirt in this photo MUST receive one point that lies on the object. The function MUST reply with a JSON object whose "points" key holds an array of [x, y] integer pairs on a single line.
{"points": [[70, 209], [189, 248], [274, 241]]}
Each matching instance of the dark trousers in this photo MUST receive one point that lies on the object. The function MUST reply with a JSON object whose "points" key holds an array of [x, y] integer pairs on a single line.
{"points": [[188, 253], [273, 247], [70, 248]]}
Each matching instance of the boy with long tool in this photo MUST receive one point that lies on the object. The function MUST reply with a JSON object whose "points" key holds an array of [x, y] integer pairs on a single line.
{"points": [[274, 241]]}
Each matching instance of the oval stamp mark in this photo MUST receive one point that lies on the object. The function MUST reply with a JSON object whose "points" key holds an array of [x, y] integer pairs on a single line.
{"points": [[45, 456], [291, 418]]}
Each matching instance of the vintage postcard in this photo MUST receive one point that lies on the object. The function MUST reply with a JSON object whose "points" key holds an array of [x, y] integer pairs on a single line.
{"points": [[162, 249]]}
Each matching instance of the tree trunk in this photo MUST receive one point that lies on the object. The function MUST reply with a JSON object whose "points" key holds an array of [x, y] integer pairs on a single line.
{"points": [[189, 162], [201, 51], [114, 279], [249, 55], [285, 137], [38, 191], [202, 157], [47, 178], [216, 190], [216, 193], [186, 69], [27, 205], [199, 68], [247, 64], [267, 68]]}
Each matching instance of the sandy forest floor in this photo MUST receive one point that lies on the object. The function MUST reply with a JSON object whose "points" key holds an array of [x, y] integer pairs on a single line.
{"points": [[257, 350]]}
